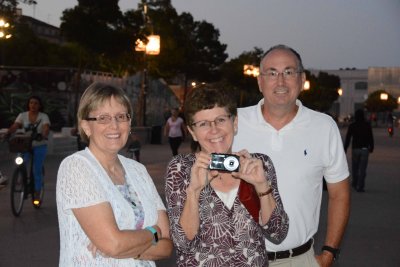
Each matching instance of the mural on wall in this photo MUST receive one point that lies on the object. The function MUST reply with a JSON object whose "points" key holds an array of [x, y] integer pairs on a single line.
{"points": [[18, 84], [60, 90]]}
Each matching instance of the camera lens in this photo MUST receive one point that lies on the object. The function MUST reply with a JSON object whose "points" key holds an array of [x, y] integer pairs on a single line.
{"points": [[231, 163]]}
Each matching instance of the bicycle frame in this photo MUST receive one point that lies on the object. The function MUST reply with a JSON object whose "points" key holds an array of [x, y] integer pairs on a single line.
{"points": [[23, 180], [30, 180]]}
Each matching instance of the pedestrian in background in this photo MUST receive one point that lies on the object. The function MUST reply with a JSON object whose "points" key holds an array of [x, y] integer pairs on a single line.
{"points": [[360, 134], [175, 130], [304, 146]]}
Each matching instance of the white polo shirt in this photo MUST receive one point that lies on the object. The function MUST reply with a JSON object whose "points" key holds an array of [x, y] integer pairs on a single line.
{"points": [[303, 152]]}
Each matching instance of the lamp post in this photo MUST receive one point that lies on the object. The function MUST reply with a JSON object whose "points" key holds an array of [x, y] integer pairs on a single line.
{"points": [[249, 70], [150, 46]]}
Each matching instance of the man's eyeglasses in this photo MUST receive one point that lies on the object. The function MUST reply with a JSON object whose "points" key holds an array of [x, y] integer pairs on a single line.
{"points": [[106, 119], [288, 74], [219, 121]]}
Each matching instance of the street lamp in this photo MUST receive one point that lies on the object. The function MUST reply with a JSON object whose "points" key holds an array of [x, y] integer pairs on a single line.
{"points": [[306, 85], [384, 96], [4, 26], [151, 46], [251, 70], [340, 91]]}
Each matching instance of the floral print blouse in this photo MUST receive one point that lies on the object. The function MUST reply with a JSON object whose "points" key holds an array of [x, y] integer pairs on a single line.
{"points": [[226, 237]]}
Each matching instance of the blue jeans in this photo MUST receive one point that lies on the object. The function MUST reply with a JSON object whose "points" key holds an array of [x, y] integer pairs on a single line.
{"points": [[39, 154], [359, 162]]}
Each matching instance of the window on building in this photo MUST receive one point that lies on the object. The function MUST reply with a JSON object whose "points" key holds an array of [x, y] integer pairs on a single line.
{"points": [[361, 86]]}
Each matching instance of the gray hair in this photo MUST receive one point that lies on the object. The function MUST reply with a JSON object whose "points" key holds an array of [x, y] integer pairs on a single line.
{"points": [[286, 48]]}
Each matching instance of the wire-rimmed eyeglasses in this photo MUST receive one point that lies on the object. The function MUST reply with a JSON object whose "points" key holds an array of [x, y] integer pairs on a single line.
{"points": [[219, 121], [287, 74], [106, 118]]}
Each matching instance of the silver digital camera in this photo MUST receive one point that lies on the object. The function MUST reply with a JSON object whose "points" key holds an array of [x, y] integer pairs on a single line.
{"points": [[224, 162]]}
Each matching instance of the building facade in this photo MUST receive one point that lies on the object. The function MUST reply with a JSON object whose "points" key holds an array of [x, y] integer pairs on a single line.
{"points": [[357, 84]]}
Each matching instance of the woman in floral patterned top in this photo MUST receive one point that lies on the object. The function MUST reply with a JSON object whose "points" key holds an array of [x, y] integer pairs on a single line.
{"points": [[221, 218]]}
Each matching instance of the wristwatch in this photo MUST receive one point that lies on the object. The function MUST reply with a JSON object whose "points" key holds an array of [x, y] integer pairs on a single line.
{"points": [[335, 251], [154, 232]]}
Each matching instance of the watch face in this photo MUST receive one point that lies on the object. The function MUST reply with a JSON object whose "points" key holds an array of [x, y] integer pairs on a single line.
{"points": [[155, 237]]}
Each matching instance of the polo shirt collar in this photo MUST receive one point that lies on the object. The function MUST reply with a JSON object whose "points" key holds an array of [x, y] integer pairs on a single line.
{"points": [[301, 117]]}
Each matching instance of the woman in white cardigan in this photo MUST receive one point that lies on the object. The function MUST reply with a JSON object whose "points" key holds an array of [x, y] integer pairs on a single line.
{"points": [[109, 211]]}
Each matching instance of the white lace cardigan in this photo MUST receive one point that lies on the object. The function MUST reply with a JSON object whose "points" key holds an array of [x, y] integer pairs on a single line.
{"points": [[82, 182]]}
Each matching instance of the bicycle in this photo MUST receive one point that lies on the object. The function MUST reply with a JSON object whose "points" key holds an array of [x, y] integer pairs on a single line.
{"points": [[22, 182]]}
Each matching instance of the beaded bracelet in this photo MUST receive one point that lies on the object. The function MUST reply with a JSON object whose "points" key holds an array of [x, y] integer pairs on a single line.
{"points": [[265, 193]]}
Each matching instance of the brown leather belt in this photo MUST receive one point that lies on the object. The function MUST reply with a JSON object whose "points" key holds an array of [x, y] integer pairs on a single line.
{"points": [[290, 253]]}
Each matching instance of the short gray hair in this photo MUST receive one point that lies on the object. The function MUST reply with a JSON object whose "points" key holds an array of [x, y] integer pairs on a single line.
{"points": [[286, 48]]}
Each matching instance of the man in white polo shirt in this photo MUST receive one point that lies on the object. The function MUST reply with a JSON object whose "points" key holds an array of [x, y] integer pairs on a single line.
{"points": [[305, 147]]}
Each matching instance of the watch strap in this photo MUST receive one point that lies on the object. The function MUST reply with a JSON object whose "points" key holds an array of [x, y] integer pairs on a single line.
{"points": [[335, 251], [154, 232]]}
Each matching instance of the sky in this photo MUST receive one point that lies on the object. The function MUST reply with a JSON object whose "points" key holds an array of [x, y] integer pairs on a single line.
{"points": [[327, 34]]}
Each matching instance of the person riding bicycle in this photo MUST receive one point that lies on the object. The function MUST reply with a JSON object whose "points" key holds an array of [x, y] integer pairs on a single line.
{"points": [[36, 123]]}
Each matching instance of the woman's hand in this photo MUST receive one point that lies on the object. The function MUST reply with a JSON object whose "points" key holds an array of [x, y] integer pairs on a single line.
{"points": [[200, 175], [251, 170], [94, 251]]}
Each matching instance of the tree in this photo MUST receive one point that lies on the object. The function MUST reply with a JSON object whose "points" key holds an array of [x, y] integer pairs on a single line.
{"points": [[246, 87], [322, 92], [98, 27], [374, 103], [188, 47]]}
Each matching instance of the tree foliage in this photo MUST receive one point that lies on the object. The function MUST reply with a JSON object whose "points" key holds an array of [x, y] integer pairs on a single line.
{"points": [[187, 47], [322, 92], [375, 104], [246, 87]]}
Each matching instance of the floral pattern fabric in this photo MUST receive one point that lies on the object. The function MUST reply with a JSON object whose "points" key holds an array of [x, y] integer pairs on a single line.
{"points": [[226, 237], [134, 201]]}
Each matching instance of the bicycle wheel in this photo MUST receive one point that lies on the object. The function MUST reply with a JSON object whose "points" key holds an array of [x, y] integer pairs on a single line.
{"points": [[18, 190], [36, 204]]}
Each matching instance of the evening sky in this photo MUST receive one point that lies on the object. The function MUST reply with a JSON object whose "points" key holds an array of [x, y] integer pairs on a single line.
{"points": [[327, 34]]}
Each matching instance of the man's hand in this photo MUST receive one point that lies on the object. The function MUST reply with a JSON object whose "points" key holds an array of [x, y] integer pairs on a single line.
{"points": [[325, 259]]}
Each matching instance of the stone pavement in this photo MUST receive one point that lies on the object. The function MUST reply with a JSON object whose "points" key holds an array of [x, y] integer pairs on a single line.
{"points": [[372, 236]]}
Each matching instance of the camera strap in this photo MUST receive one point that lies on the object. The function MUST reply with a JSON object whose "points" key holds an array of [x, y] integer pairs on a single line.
{"points": [[249, 198]]}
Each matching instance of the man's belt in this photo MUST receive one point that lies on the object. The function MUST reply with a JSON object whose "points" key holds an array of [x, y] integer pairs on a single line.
{"points": [[290, 253]]}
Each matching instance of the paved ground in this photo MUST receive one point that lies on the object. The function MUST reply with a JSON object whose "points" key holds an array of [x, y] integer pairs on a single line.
{"points": [[372, 237]]}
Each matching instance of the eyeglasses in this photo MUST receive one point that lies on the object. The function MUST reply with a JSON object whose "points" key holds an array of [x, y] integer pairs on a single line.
{"points": [[219, 121], [106, 119], [288, 74]]}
